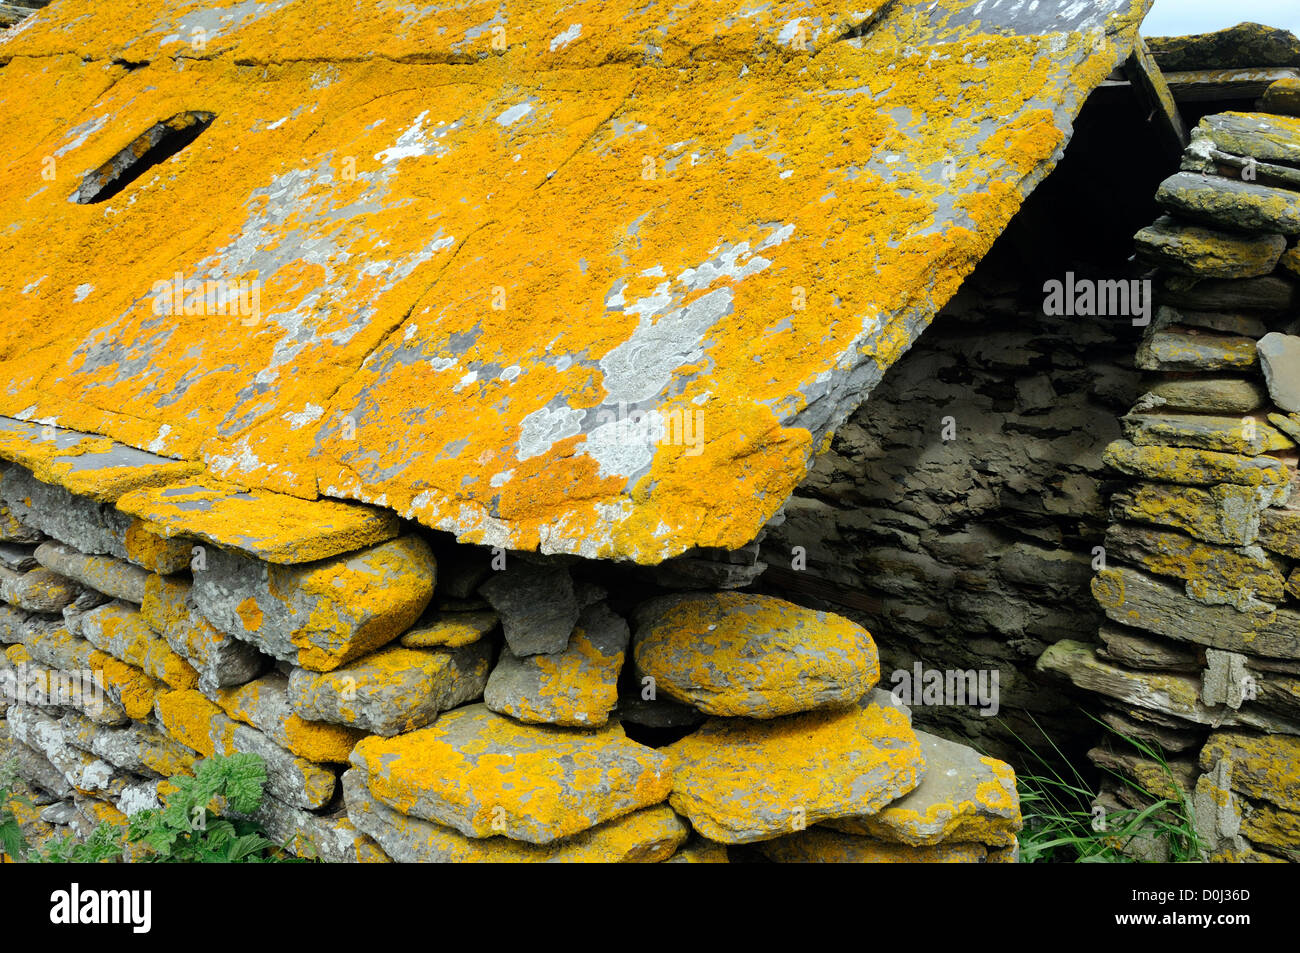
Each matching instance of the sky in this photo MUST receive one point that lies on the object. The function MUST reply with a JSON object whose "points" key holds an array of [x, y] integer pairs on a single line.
{"points": [[1178, 17]]}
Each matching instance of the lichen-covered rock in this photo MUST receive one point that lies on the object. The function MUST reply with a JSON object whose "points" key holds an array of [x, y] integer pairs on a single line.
{"points": [[700, 851], [393, 690], [1249, 436], [197, 723], [331, 839], [13, 530], [1264, 767], [1196, 467], [1175, 350], [451, 629], [645, 836], [137, 747], [537, 605], [1282, 97], [741, 654], [817, 846], [318, 615], [220, 660], [1274, 295], [83, 771], [154, 552], [484, 774], [120, 630], [264, 704], [576, 687], [1244, 46], [113, 577], [1193, 250], [38, 590], [963, 797], [1228, 203], [742, 780], [1225, 514], [1265, 137], [1279, 358], [1136, 599], [1213, 574], [87, 526], [1279, 531]]}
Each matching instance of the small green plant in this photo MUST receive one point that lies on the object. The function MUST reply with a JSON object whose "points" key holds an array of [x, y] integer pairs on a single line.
{"points": [[1063, 823], [186, 830]]}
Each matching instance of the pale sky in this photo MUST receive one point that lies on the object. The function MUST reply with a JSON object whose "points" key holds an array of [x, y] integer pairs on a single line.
{"points": [[1178, 17]]}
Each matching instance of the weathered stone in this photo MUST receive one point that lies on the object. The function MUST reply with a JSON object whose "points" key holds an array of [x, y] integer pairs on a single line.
{"points": [[817, 846], [268, 526], [1176, 350], [1282, 97], [137, 747], [645, 836], [1196, 467], [1213, 574], [1170, 739], [83, 771], [87, 526], [483, 774], [1271, 293], [1263, 766], [220, 660], [194, 721], [130, 692], [1175, 695], [1265, 137], [113, 577], [13, 530], [963, 797], [319, 615], [1133, 598], [1290, 262], [330, 839], [154, 552], [1225, 679], [1205, 252], [537, 605], [1173, 779], [264, 704], [120, 630], [1228, 203], [393, 690], [1244, 46], [744, 780], [742, 654], [1230, 323], [1279, 358], [576, 687], [33, 767], [1227, 434], [451, 630], [1279, 531], [1225, 514], [1133, 649], [39, 590]]}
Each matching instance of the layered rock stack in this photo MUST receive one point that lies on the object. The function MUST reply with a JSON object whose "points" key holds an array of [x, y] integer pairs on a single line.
{"points": [[1200, 653], [421, 701]]}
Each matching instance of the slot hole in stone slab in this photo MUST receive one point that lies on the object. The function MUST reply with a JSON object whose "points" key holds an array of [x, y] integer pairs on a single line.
{"points": [[156, 144]]}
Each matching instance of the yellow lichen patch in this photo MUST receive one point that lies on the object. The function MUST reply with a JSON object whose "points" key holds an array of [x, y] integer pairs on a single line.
{"points": [[739, 654], [271, 526], [963, 797], [315, 741], [532, 215], [485, 774], [122, 632], [133, 689], [1197, 467], [1266, 767], [153, 551], [250, 614], [741, 780], [189, 718], [451, 630]]}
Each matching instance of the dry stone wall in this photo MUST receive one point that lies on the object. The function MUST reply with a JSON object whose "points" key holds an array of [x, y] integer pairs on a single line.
{"points": [[419, 701], [1199, 653]]}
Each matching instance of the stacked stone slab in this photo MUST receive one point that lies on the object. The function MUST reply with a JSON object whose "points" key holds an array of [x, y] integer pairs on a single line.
{"points": [[458, 707], [1200, 653]]}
